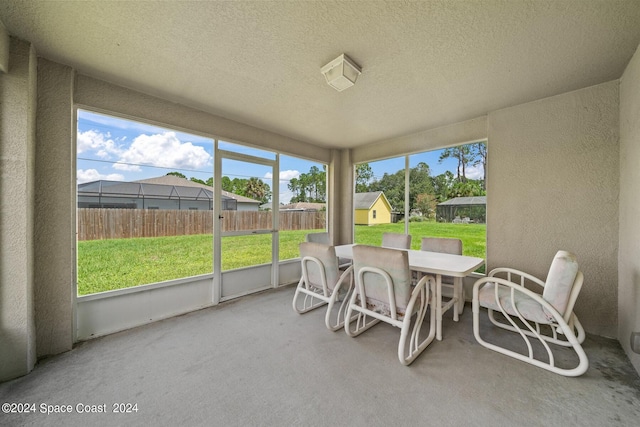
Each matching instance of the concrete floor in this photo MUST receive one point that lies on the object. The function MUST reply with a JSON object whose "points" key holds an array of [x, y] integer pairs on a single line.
{"points": [[254, 362]]}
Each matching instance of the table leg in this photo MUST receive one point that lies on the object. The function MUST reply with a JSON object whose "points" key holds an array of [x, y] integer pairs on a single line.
{"points": [[460, 285], [456, 299], [438, 304]]}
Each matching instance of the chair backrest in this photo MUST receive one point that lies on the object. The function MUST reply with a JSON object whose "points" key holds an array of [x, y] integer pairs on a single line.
{"points": [[326, 255], [444, 245], [396, 240], [395, 263], [559, 286], [318, 238]]}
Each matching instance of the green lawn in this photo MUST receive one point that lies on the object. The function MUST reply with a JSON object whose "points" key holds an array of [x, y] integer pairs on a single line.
{"points": [[473, 236], [105, 265]]}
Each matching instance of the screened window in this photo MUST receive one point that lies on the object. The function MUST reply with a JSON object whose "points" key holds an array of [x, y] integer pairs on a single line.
{"points": [[145, 200], [144, 203], [303, 202], [446, 197]]}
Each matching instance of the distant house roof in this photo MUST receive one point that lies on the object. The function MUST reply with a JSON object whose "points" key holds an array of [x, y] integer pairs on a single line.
{"points": [[460, 201], [162, 187], [303, 206], [366, 200], [182, 182], [143, 190]]}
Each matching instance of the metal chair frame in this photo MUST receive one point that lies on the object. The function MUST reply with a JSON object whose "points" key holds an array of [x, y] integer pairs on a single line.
{"points": [[563, 330], [315, 297], [419, 295]]}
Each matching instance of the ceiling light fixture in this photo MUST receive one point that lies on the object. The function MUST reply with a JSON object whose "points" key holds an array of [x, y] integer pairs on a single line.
{"points": [[341, 73]]}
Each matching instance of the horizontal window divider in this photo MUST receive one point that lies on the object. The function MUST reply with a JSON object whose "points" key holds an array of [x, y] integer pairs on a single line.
{"points": [[145, 288]]}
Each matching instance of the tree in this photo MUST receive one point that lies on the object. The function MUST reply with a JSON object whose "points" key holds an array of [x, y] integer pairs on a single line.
{"points": [[238, 186], [178, 174], [295, 186], [442, 185], [392, 185], [226, 184], [306, 186], [479, 152], [209, 181], [463, 155], [318, 184], [364, 174], [256, 189], [470, 188], [426, 191], [419, 183], [309, 187], [426, 204]]}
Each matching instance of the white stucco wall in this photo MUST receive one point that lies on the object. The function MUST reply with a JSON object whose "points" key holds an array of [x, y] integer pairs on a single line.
{"points": [[4, 48], [341, 190], [432, 139], [54, 209], [553, 184], [101, 95], [629, 251], [17, 136]]}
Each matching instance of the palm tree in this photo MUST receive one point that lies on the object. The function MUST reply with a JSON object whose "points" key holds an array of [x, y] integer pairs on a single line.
{"points": [[256, 189]]}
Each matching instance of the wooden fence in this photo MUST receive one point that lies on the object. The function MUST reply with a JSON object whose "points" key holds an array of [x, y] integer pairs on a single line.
{"points": [[96, 224]]}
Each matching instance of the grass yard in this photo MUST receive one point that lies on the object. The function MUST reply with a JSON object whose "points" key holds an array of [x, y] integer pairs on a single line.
{"points": [[105, 265], [473, 236]]}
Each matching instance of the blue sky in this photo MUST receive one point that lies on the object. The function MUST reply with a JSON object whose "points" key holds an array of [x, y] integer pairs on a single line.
{"points": [[111, 148]]}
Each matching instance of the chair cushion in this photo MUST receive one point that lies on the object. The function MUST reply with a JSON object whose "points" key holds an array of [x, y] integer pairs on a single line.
{"points": [[562, 275], [318, 238], [327, 256], [396, 240], [528, 307], [444, 245], [396, 264]]}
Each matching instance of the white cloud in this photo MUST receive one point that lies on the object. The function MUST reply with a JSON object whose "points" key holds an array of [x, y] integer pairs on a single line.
{"points": [[101, 143], [474, 172], [164, 150], [126, 167], [284, 175], [89, 175], [286, 197], [289, 174]]}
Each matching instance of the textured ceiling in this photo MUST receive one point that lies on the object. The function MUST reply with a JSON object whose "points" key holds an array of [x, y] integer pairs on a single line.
{"points": [[424, 64]]}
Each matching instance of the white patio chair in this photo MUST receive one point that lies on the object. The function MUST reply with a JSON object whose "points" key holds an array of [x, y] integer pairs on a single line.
{"points": [[549, 317], [396, 240], [323, 237], [322, 283], [448, 246], [383, 292]]}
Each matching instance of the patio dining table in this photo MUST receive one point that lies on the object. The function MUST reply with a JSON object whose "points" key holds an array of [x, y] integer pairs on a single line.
{"points": [[437, 264]]}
